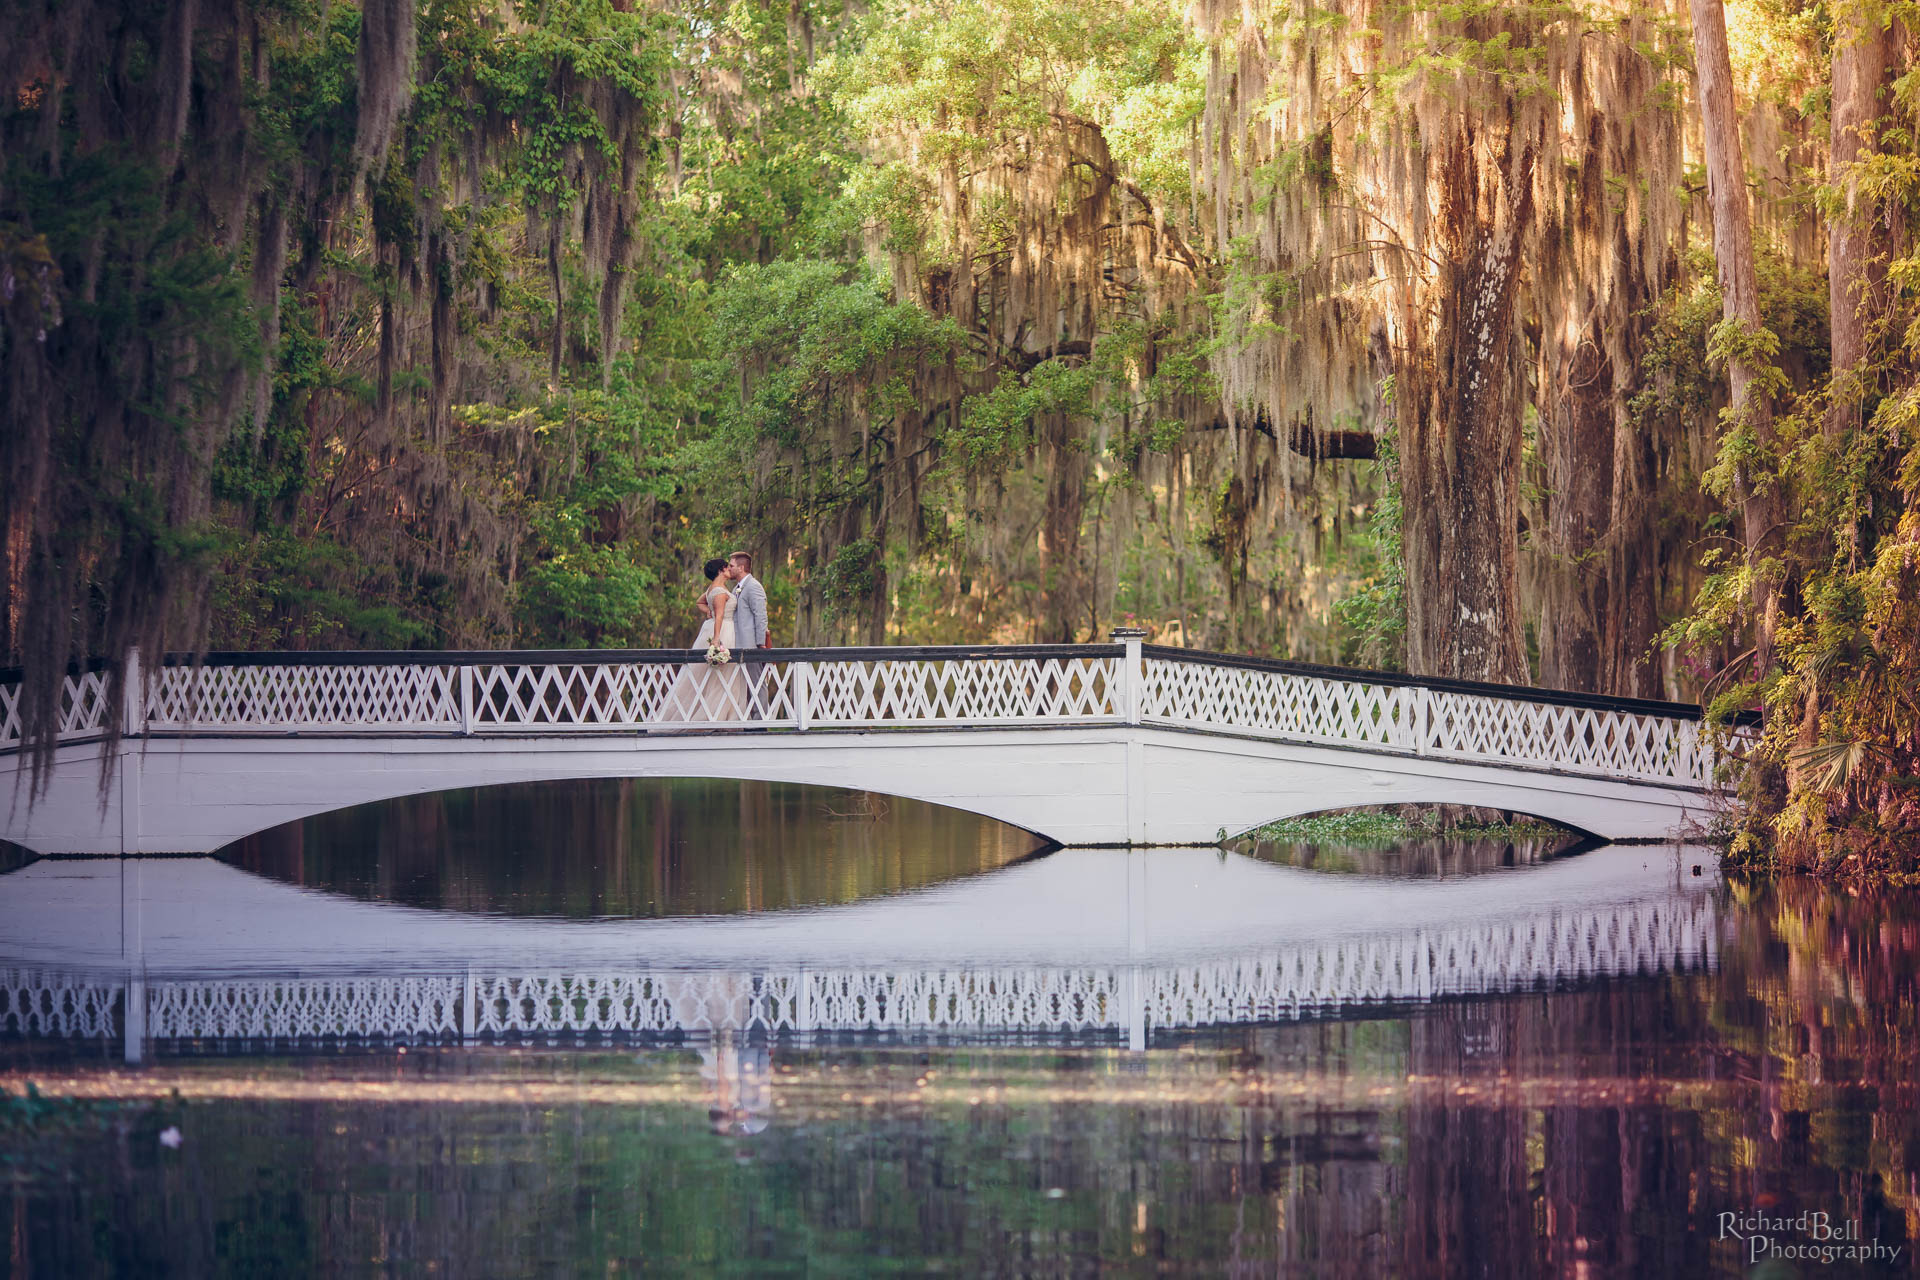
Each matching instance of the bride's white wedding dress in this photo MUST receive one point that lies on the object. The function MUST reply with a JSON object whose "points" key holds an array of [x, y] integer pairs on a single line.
{"points": [[702, 692]]}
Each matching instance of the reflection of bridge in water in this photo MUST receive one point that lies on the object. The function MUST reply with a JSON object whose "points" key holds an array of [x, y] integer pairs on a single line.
{"points": [[1283, 984], [1161, 942]]}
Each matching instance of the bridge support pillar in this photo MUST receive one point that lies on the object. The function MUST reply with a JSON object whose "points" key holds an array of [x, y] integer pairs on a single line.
{"points": [[1132, 701], [126, 769]]}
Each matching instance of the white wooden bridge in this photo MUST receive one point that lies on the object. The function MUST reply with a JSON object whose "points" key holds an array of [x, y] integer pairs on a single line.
{"points": [[1102, 745], [1082, 944]]}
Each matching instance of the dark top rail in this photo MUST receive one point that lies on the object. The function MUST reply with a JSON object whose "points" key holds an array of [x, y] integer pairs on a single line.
{"points": [[1478, 688], [926, 653], [14, 675], [598, 657]]}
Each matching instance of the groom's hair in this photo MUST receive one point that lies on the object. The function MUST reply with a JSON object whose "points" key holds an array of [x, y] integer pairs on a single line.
{"points": [[714, 566], [743, 555]]}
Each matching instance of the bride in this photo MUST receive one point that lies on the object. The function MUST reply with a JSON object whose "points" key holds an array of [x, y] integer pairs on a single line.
{"points": [[703, 692]]}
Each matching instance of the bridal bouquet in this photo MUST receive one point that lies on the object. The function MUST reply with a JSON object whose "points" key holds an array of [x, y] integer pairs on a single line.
{"points": [[718, 654]]}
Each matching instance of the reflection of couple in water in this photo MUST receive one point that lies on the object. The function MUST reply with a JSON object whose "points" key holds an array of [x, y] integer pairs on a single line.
{"points": [[737, 1069], [739, 1077], [722, 687]]}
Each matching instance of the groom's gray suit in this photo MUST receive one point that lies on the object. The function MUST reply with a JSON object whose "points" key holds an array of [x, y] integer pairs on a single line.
{"points": [[749, 614], [749, 629]]}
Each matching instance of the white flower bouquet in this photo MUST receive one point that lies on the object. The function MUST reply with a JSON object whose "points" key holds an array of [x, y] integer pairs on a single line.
{"points": [[718, 655]]}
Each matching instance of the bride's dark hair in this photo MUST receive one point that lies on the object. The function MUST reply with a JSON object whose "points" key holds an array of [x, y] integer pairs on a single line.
{"points": [[714, 567]]}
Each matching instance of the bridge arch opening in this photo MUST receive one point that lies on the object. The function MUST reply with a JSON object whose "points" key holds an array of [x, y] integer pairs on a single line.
{"points": [[633, 847], [15, 856], [1413, 840]]}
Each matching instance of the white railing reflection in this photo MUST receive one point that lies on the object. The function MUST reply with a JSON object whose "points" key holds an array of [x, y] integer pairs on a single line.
{"points": [[1279, 984]]}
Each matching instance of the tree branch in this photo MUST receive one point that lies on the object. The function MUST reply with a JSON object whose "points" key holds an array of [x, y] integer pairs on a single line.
{"points": [[1305, 439], [1180, 249], [1027, 361]]}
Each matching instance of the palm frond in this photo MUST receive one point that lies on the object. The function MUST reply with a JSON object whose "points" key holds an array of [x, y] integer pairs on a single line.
{"points": [[1833, 763]]}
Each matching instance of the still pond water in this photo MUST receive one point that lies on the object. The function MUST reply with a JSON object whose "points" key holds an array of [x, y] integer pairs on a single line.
{"points": [[743, 1029]]}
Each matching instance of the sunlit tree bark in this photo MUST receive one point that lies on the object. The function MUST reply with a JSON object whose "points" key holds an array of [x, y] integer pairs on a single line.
{"points": [[1751, 411], [1459, 415], [1856, 240]]}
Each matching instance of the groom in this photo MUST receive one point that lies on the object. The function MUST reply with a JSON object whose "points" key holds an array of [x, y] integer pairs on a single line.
{"points": [[749, 621], [750, 614]]}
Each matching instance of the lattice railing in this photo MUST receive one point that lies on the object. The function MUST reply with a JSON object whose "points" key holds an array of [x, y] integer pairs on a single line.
{"points": [[629, 696], [281, 698], [1616, 742], [653, 693], [1577, 739], [85, 711], [884, 692], [1065, 685], [1280, 984], [1275, 704]]}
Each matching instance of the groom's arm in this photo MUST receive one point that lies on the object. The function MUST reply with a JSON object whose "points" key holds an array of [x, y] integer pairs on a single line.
{"points": [[760, 615]]}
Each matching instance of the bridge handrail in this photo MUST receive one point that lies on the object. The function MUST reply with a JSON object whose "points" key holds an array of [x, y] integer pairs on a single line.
{"points": [[672, 690], [1479, 688], [945, 653], [589, 657]]}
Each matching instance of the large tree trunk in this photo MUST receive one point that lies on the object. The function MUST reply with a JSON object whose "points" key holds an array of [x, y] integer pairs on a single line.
{"points": [[1576, 444], [1856, 245], [1600, 571], [1760, 504], [1856, 256], [1460, 424], [1066, 499], [1634, 569]]}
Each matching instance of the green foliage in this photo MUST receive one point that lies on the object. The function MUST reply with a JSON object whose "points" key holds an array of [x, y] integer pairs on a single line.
{"points": [[827, 359], [586, 585], [846, 583], [997, 426], [1374, 616], [1369, 827]]}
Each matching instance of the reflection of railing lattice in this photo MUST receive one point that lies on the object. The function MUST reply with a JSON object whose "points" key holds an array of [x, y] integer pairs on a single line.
{"points": [[44, 1003], [304, 1008], [1276, 985]]}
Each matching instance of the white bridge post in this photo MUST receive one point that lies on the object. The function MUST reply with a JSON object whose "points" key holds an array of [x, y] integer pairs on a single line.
{"points": [[801, 688], [1132, 700], [133, 726], [1133, 674]]}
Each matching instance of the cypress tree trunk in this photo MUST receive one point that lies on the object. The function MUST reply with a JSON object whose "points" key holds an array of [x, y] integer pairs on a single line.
{"points": [[1066, 497], [1856, 247], [1460, 423], [1576, 444], [1760, 506]]}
